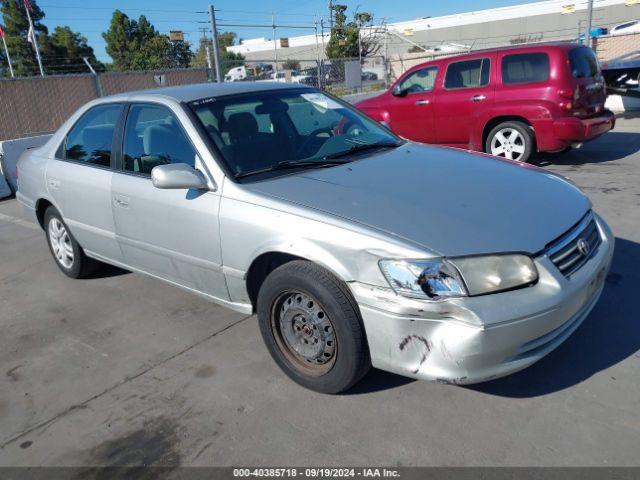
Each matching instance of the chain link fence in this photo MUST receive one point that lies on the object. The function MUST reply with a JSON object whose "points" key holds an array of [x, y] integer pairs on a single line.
{"points": [[338, 76], [36, 105]]}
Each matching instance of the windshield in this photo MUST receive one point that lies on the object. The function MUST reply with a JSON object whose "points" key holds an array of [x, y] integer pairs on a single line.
{"points": [[261, 130]]}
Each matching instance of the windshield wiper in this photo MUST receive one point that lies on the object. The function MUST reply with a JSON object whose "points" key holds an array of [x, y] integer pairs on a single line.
{"points": [[361, 148], [291, 165]]}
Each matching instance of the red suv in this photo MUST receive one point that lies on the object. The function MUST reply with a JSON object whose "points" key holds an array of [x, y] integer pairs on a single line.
{"points": [[509, 102]]}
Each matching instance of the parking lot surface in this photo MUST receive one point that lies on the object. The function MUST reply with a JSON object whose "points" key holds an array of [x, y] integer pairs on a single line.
{"points": [[125, 370]]}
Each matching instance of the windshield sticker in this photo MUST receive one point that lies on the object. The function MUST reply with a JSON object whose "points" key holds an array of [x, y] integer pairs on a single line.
{"points": [[203, 101], [322, 101]]}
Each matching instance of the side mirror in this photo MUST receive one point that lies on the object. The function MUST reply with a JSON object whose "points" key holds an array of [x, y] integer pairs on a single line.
{"points": [[178, 176], [398, 91]]}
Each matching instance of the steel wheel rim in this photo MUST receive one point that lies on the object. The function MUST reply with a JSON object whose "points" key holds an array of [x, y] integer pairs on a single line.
{"points": [[304, 332], [60, 242], [508, 143]]}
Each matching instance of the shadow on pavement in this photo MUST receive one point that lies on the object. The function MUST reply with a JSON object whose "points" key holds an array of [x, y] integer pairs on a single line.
{"points": [[106, 271], [611, 146], [609, 335], [378, 380]]}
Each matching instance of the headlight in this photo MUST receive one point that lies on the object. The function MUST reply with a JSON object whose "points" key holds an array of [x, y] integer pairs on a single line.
{"points": [[423, 278], [458, 277]]}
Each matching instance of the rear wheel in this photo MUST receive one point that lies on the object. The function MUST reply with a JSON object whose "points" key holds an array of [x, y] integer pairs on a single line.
{"points": [[511, 140], [66, 251], [311, 326]]}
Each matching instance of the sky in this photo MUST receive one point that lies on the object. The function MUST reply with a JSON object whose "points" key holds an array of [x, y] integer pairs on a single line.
{"points": [[91, 17]]}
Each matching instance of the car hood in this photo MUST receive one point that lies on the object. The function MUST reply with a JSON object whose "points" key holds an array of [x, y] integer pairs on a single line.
{"points": [[450, 201]]}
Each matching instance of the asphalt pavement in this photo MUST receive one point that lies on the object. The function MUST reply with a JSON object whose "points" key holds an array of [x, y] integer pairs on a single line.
{"points": [[126, 370]]}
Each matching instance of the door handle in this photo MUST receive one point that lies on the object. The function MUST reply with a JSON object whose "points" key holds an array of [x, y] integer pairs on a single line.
{"points": [[422, 102], [478, 98], [121, 202]]}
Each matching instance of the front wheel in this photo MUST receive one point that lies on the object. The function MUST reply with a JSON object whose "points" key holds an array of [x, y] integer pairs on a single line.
{"points": [[311, 326], [511, 140]]}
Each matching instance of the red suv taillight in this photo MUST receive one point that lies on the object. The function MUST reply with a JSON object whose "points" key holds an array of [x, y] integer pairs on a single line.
{"points": [[567, 94]]}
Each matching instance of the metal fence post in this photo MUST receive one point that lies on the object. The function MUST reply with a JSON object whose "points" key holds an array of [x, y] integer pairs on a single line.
{"points": [[98, 85]]}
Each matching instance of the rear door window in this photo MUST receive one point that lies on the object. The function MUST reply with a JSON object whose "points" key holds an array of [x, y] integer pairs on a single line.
{"points": [[91, 138], [583, 62], [525, 68], [468, 74]]}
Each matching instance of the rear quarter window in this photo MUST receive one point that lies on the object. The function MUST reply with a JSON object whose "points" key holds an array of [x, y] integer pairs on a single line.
{"points": [[525, 68], [583, 63]]}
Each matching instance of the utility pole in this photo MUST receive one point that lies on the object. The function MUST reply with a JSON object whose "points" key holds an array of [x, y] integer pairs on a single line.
{"points": [[275, 45], [324, 52], [27, 7], [315, 24], [587, 34], [387, 72], [216, 48], [207, 49]]}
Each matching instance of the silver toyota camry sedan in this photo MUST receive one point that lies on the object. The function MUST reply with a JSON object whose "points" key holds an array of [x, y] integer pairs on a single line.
{"points": [[354, 247]]}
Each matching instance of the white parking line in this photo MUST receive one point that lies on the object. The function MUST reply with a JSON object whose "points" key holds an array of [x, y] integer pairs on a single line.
{"points": [[18, 221]]}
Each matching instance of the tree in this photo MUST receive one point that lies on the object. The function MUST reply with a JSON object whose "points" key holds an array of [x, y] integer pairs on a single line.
{"points": [[137, 45], [353, 39], [228, 59], [63, 52], [291, 64], [16, 27]]}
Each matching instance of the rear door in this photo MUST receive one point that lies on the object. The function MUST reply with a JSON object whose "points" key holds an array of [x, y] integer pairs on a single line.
{"points": [[411, 115], [467, 88], [172, 234], [590, 93], [79, 179]]}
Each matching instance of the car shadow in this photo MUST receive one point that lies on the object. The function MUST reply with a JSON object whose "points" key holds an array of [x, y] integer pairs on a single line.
{"points": [[107, 271], [607, 148], [609, 335], [378, 380]]}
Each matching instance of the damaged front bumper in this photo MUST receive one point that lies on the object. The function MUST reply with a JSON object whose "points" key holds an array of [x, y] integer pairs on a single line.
{"points": [[475, 339]]}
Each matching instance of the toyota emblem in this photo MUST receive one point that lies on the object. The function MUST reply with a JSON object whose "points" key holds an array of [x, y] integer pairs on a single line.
{"points": [[583, 247]]}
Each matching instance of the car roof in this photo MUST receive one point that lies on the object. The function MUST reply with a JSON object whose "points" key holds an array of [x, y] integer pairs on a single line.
{"points": [[524, 46], [189, 93]]}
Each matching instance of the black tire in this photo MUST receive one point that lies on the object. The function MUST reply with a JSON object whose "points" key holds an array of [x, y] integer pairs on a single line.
{"points": [[526, 133], [80, 266], [350, 358]]}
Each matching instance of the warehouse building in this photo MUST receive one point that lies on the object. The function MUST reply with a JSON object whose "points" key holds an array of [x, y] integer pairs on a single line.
{"points": [[532, 22]]}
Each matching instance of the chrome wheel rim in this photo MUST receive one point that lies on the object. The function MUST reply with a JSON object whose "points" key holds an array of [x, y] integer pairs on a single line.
{"points": [[508, 143], [60, 243], [304, 332]]}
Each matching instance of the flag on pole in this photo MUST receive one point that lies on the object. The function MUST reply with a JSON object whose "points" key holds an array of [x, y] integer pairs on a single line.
{"points": [[1, 32], [30, 37], [27, 5]]}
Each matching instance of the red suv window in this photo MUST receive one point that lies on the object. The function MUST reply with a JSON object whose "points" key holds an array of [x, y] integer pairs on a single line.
{"points": [[525, 68], [467, 74]]}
